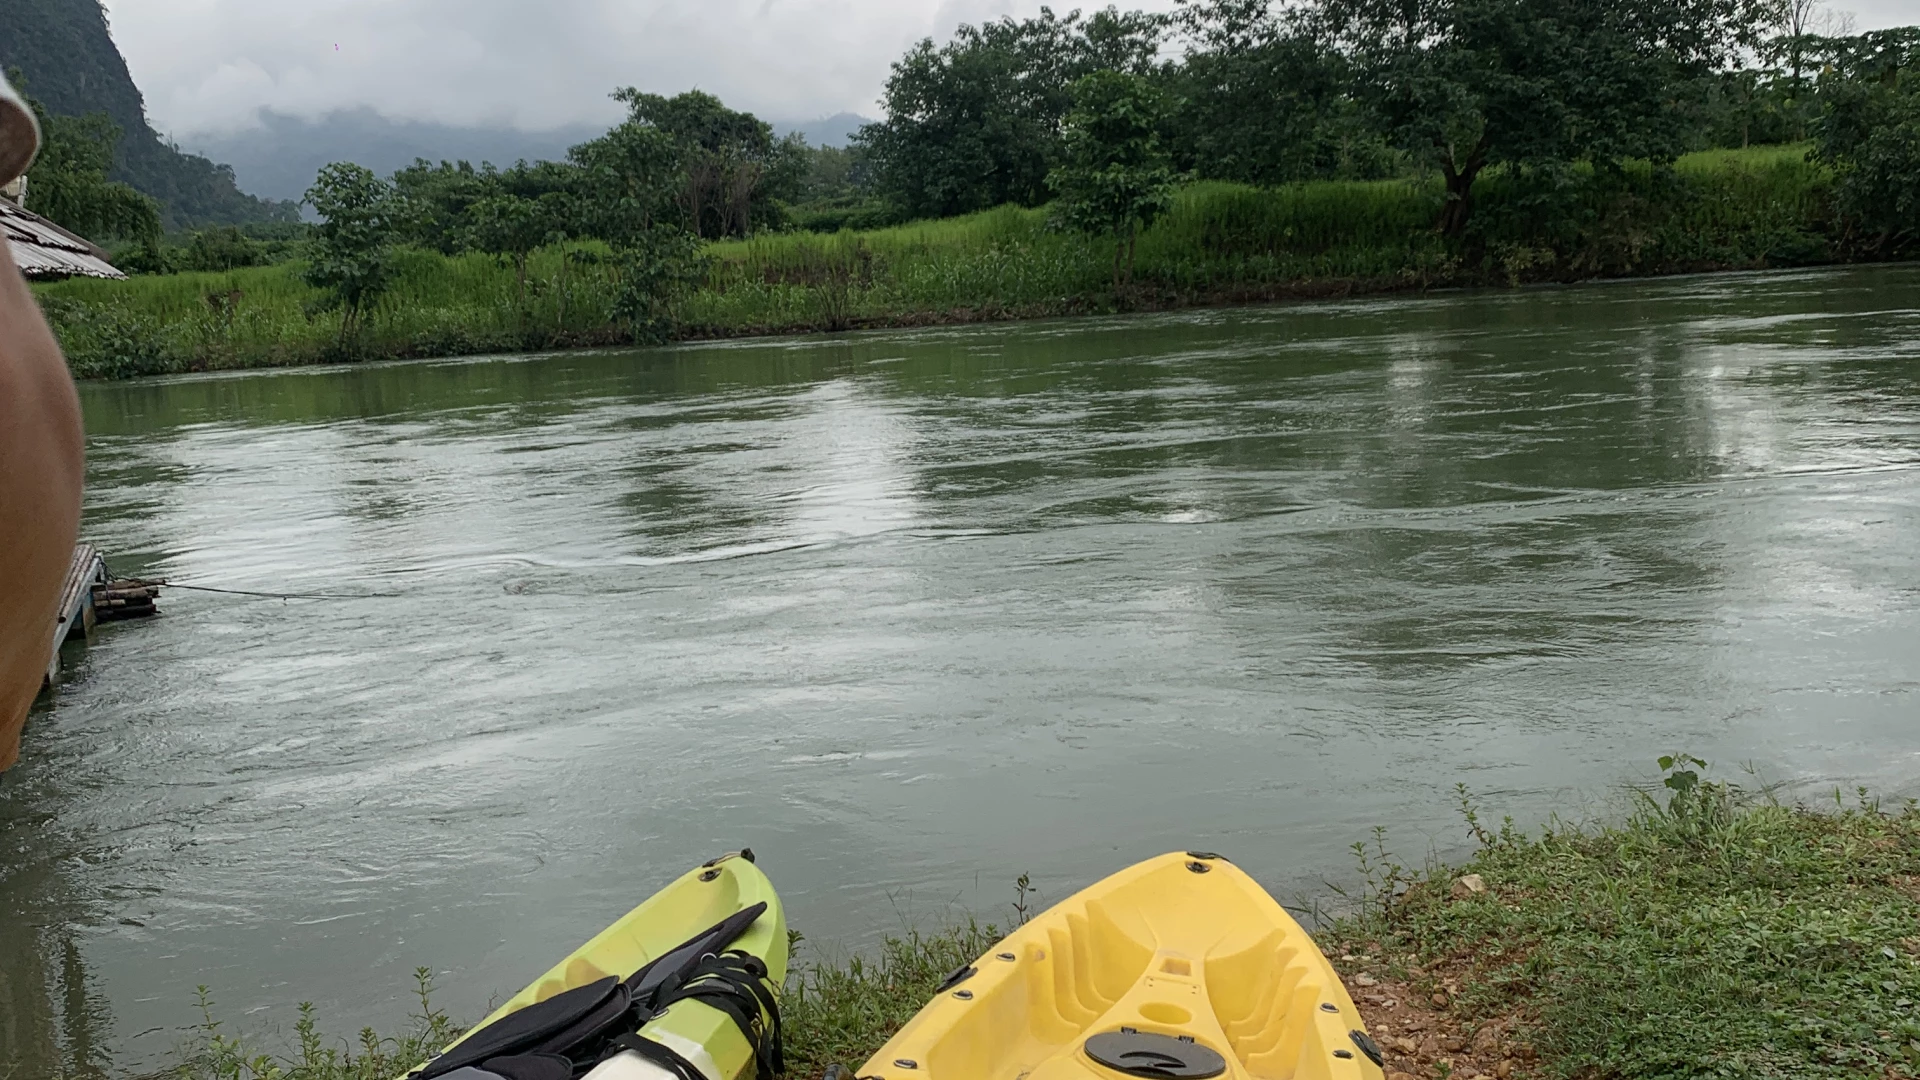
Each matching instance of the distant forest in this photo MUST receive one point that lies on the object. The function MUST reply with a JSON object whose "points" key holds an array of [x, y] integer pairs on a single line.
{"points": [[1105, 117], [69, 63]]}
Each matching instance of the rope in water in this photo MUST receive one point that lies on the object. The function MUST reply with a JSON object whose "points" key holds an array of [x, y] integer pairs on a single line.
{"points": [[269, 595]]}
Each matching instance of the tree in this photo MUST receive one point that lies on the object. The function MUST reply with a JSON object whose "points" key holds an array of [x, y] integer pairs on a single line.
{"points": [[629, 178], [513, 227], [733, 172], [219, 249], [656, 269], [68, 182], [432, 202], [1117, 178], [351, 255], [1464, 84], [977, 123], [1261, 99], [1870, 136], [1798, 29]]}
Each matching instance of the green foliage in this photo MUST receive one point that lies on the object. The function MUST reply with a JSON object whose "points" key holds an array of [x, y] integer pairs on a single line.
{"points": [[1260, 99], [1870, 135], [656, 270], [731, 173], [1116, 178], [976, 123], [352, 252], [110, 339], [215, 1055], [514, 226], [1706, 935], [222, 248], [68, 182], [1217, 241], [1464, 84]]}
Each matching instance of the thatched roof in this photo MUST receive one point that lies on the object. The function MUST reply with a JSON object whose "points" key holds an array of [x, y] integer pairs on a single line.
{"points": [[44, 250]]}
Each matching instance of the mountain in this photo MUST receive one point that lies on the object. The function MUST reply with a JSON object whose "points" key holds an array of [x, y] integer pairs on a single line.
{"points": [[279, 158], [835, 130], [65, 54]]}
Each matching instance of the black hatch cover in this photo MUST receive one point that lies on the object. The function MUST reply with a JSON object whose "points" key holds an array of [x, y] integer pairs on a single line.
{"points": [[1157, 1057]]}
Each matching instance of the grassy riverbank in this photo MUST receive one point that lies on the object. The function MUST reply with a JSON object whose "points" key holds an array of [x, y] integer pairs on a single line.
{"points": [[1222, 243], [1707, 934]]}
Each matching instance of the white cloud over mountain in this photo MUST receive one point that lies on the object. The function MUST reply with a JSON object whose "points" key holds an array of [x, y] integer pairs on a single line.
{"points": [[211, 65]]}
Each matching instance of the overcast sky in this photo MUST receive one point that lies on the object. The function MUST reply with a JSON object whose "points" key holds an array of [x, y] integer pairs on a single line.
{"points": [[210, 65]]}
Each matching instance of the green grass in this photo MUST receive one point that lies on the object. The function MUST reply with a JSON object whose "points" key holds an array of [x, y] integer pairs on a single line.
{"points": [[1726, 209], [1707, 934]]}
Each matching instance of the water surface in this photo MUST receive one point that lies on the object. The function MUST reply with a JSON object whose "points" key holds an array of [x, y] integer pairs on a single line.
{"points": [[912, 614]]}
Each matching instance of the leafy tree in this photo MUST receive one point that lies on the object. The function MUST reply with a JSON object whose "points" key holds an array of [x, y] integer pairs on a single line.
{"points": [[432, 202], [656, 269], [351, 256], [978, 122], [1117, 178], [514, 226], [1263, 100], [1464, 84], [1870, 135], [221, 249], [629, 181], [68, 182], [733, 172]]}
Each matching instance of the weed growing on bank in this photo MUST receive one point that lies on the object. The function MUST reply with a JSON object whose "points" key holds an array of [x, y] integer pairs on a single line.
{"points": [[214, 1054], [1219, 243], [1712, 933]]}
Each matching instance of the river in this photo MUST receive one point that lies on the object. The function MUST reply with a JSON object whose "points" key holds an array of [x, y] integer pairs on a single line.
{"points": [[914, 613]]}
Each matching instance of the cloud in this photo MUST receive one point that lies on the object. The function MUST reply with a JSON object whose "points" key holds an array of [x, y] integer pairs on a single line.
{"points": [[212, 65]]}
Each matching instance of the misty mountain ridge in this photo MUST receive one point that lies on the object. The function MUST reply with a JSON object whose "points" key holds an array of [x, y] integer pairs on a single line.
{"points": [[65, 54], [279, 158]]}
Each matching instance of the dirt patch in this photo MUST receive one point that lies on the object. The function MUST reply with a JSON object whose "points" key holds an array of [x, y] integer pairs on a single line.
{"points": [[1411, 1016]]}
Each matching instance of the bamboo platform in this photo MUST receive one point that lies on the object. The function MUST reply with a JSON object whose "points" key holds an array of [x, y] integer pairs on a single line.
{"points": [[90, 596]]}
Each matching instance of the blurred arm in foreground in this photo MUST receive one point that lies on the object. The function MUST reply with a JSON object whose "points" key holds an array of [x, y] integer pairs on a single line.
{"points": [[40, 464]]}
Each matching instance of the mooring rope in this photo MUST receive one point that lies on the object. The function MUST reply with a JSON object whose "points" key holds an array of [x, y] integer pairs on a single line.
{"points": [[141, 582]]}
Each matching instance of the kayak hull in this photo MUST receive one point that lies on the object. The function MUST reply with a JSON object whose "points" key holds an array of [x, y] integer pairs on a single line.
{"points": [[695, 902], [1182, 962]]}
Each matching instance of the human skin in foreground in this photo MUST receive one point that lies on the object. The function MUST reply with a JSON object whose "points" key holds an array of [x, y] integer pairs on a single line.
{"points": [[40, 477]]}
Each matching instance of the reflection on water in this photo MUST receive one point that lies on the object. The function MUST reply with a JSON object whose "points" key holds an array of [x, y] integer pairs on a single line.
{"points": [[54, 1021], [912, 614]]}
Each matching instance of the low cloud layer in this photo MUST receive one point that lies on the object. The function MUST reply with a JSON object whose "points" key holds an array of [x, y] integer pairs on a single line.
{"points": [[212, 65]]}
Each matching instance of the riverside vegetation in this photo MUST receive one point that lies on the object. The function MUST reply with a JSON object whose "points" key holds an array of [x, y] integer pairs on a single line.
{"points": [[1062, 164], [1708, 932], [1217, 242]]}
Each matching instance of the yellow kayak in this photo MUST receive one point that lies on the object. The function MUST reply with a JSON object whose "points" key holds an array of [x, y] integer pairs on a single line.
{"points": [[681, 988], [1180, 968]]}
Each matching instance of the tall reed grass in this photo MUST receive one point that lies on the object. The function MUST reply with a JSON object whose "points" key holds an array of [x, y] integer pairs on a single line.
{"points": [[1725, 209]]}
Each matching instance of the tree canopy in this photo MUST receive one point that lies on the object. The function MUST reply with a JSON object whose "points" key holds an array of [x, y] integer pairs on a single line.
{"points": [[68, 183], [1464, 84], [1117, 177], [977, 122]]}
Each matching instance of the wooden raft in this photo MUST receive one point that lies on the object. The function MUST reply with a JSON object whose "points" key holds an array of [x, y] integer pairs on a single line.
{"points": [[90, 596]]}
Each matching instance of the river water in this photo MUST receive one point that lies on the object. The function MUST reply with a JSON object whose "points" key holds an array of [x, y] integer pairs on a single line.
{"points": [[914, 613]]}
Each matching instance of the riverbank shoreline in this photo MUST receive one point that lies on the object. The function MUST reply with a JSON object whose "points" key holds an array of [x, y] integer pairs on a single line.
{"points": [[1710, 931], [1221, 245]]}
